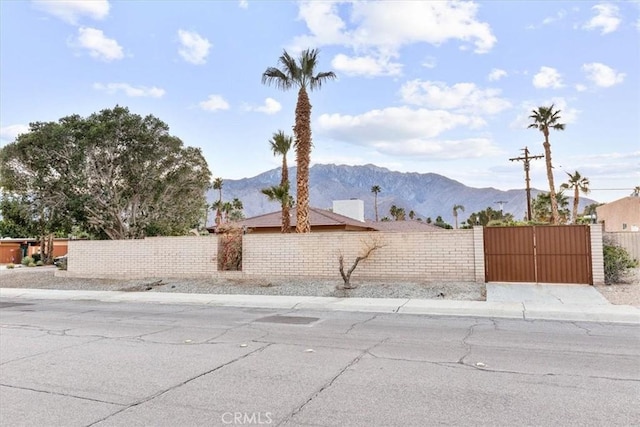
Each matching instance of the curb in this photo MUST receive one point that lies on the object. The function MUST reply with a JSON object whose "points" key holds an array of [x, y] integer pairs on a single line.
{"points": [[507, 310]]}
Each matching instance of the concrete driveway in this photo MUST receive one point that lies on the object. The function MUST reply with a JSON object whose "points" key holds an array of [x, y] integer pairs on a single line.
{"points": [[549, 294]]}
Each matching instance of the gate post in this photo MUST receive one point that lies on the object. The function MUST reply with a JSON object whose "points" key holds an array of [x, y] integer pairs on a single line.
{"points": [[478, 253], [597, 254]]}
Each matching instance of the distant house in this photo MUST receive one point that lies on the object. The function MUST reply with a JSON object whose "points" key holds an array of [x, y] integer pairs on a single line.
{"points": [[321, 220], [620, 215]]}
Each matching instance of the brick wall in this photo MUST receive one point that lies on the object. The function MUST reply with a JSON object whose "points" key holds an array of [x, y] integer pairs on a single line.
{"points": [[445, 256], [189, 256], [597, 254]]}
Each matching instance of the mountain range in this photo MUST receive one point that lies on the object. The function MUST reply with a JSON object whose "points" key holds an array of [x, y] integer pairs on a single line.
{"points": [[427, 194]]}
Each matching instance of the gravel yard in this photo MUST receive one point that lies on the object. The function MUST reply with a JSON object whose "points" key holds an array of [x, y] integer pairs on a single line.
{"points": [[44, 278], [626, 293]]}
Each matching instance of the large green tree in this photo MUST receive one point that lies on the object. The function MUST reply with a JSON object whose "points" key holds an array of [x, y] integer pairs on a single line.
{"points": [[545, 118], [119, 174], [301, 74], [280, 145], [579, 184]]}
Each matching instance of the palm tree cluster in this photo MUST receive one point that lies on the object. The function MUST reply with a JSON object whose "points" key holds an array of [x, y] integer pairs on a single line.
{"points": [[579, 184], [300, 74]]}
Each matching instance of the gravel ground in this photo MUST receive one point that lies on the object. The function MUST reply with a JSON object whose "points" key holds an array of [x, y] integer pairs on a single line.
{"points": [[43, 278], [625, 293]]}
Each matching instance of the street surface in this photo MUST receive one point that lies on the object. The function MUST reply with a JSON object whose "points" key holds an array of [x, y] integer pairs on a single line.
{"points": [[90, 363]]}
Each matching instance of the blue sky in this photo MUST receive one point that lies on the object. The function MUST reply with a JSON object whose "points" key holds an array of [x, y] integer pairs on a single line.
{"points": [[423, 86]]}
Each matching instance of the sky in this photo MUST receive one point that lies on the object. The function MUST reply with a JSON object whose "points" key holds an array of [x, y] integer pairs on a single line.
{"points": [[422, 86]]}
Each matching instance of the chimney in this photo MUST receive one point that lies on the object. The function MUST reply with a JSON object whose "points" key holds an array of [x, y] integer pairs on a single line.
{"points": [[353, 208]]}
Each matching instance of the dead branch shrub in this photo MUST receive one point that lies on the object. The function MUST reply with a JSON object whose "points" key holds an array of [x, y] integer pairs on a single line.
{"points": [[229, 247], [368, 247]]}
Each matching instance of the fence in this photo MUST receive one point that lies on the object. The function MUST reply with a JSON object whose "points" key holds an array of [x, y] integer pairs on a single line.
{"points": [[630, 240], [455, 255], [452, 255]]}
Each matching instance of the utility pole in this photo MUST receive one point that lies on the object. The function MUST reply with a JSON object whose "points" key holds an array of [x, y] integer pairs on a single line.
{"points": [[526, 160]]}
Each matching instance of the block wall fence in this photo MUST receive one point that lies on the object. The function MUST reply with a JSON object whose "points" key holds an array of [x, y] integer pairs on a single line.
{"points": [[452, 255], [438, 256]]}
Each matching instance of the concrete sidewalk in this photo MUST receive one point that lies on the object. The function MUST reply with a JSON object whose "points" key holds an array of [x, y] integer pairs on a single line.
{"points": [[586, 310]]}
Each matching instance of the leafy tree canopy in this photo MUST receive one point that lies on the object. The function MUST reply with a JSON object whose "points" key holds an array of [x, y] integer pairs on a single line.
{"points": [[114, 173]]}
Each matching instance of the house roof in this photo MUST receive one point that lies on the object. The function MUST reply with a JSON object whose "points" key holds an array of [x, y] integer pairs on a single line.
{"points": [[322, 218], [410, 226], [317, 218]]}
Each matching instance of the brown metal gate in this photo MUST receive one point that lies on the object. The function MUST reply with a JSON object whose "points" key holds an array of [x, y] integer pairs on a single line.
{"points": [[538, 254]]}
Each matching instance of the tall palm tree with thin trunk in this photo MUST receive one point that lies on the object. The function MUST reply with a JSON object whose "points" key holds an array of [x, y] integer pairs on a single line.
{"points": [[280, 146], [375, 190], [579, 184], [456, 208], [301, 74], [217, 185], [545, 118]]}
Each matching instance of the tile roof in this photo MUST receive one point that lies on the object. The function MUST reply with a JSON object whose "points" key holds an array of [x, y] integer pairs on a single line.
{"points": [[409, 226]]}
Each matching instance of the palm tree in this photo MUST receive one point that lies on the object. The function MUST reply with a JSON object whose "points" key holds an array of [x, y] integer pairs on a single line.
{"points": [[541, 207], [544, 118], [280, 193], [375, 190], [455, 212], [636, 191], [280, 145], [412, 214], [300, 74], [217, 185], [579, 184]]}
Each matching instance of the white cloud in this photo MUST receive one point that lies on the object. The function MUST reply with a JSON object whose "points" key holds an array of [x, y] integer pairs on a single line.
{"points": [[194, 48], [71, 11], [271, 106], [365, 66], [429, 62], [243, 4], [394, 124], [567, 115], [557, 17], [607, 18], [11, 132], [547, 77], [461, 97], [581, 87], [496, 74], [602, 75], [214, 103], [387, 26], [132, 91], [98, 45], [407, 132]]}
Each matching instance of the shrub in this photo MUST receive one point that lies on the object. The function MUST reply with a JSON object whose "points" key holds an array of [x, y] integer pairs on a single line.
{"points": [[62, 265], [36, 257], [616, 262], [39, 264], [27, 260], [31, 264], [10, 265]]}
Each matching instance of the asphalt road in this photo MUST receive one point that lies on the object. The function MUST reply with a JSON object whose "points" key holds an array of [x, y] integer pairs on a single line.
{"points": [[88, 363]]}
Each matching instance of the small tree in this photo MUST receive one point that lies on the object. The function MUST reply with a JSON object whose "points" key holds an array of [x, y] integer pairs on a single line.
{"points": [[368, 248]]}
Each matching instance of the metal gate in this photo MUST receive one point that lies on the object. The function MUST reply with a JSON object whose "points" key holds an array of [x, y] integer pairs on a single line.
{"points": [[538, 254]]}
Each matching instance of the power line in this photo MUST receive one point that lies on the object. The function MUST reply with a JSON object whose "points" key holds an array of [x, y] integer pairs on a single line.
{"points": [[527, 158]]}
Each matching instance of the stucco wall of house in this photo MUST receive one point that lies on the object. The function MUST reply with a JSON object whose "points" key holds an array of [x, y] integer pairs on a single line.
{"points": [[620, 215]]}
